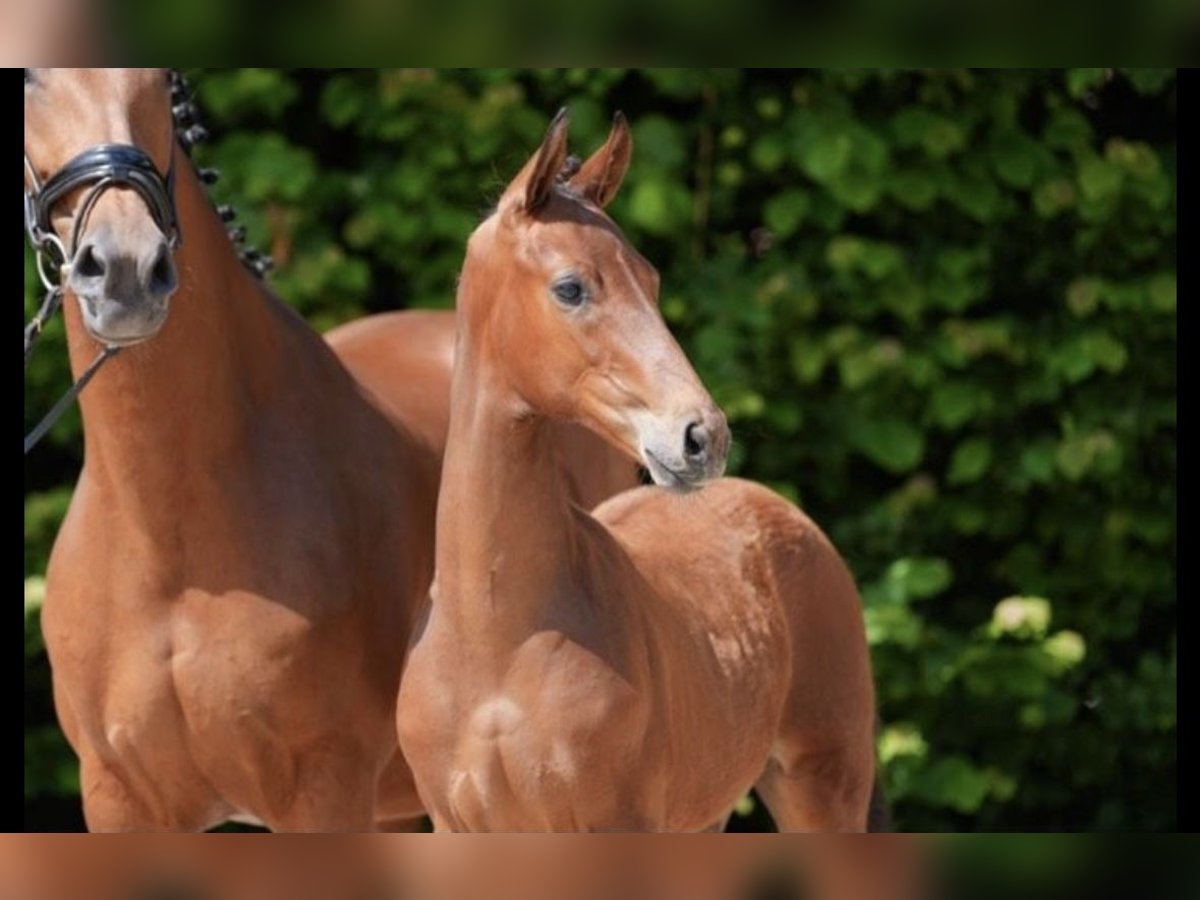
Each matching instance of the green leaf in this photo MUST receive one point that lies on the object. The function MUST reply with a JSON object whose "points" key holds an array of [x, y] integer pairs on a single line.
{"points": [[975, 195], [919, 577], [943, 138], [659, 141], [1038, 461], [1014, 156], [953, 403], [786, 210], [1068, 129], [914, 188], [824, 152], [892, 625], [768, 153], [892, 443], [1149, 81], [1099, 180], [1081, 453], [856, 189], [1134, 157], [1162, 291], [970, 460], [910, 124], [843, 252], [1053, 197], [1081, 81], [808, 358], [659, 206], [880, 260], [1083, 295], [955, 782], [938, 135], [269, 167], [1106, 351], [247, 90]]}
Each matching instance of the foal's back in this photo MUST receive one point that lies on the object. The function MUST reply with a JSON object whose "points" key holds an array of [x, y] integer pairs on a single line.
{"points": [[764, 618]]}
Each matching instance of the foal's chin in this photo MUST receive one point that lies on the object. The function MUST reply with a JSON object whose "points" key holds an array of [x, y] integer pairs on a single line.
{"points": [[671, 480], [681, 488]]}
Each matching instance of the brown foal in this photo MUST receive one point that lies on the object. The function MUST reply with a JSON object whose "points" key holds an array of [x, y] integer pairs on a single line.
{"points": [[643, 666], [230, 596]]}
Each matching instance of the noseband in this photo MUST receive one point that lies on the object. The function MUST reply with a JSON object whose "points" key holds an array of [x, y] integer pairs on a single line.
{"points": [[101, 168]]}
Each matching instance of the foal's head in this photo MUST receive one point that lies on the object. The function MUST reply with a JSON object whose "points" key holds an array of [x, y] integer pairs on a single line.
{"points": [[120, 263], [567, 313]]}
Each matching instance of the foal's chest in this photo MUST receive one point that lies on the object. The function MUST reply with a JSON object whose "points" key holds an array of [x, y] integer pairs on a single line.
{"points": [[548, 749]]}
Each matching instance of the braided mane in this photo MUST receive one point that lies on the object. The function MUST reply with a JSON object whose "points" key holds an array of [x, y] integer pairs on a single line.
{"points": [[190, 132]]}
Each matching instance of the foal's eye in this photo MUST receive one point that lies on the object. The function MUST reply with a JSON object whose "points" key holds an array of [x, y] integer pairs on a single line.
{"points": [[570, 291]]}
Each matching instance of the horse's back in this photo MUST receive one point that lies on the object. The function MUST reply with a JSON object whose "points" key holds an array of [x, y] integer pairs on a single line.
{"points": [[404, 359]]}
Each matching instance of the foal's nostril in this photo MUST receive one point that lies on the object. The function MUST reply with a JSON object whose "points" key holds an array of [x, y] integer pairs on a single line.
{"points": [[87, 264], [695, 441]]}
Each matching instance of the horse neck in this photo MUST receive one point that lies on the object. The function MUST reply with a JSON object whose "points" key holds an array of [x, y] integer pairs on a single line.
{"points": [[508, 540], [190, 393]]}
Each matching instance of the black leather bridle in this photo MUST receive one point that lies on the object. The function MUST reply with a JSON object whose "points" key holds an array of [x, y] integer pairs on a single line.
{"points": [[102, 167]]}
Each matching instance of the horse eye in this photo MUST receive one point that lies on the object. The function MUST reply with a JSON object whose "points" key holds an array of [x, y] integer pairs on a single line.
{"points": [[570, 291]]}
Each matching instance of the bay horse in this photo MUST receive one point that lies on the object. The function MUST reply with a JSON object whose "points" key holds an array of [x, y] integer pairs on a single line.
{"points": [[231, 593], [642, 666]]}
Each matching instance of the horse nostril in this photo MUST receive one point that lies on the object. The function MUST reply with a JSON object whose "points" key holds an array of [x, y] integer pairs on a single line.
{"points": [[162, 273], [87, 264], [695, 441]]}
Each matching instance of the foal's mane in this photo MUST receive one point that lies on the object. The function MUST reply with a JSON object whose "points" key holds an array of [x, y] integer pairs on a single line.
{"points": [[188, 130]]}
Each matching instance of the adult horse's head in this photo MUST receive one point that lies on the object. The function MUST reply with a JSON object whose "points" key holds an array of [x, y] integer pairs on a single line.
{"points": [[568, 314], [99, 146]]}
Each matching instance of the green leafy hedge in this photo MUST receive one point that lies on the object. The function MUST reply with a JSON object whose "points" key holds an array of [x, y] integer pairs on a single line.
{"points": [[939, 308]]}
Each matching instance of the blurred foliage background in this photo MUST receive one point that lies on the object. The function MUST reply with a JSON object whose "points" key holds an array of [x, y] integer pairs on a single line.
{"points": [[938, 307]]}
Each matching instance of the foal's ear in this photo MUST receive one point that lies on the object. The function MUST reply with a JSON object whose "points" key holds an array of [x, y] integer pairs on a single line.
{"points": [[536, 179], [599, 178]]}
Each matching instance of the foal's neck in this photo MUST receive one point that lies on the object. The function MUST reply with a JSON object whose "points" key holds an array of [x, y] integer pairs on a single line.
{"points": [[160, 410], [507, 533]]}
